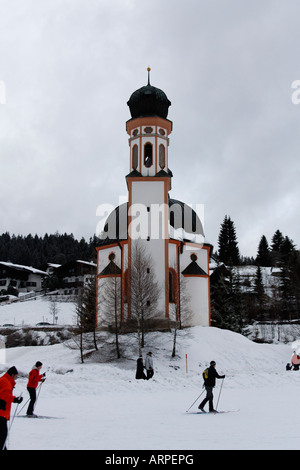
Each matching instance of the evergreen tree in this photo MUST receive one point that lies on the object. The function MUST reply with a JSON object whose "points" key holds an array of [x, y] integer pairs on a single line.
{"points": [[289, 287], [263, 254], [286, 249], [259, 291], [276, 243], [294, 272], [259, 286], [227, 303], [227, 243], [277, 240], [38, 251]]}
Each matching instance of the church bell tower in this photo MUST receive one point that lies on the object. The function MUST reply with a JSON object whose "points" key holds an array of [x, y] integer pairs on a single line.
{"points": [[149, 179], [168, 231]]}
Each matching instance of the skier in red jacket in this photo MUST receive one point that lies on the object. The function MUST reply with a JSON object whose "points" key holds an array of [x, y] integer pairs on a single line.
{"points": [[7, 383], [33, 380]]}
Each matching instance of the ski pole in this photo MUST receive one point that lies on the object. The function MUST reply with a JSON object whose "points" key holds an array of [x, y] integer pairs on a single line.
{"points": [[40, 387], [220, 394], [23, 406], [195, 401], [10, 425], [27, 401]]}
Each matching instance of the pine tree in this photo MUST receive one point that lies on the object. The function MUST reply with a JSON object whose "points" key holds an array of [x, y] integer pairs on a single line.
{"points": [[277, 240], [288, 287], [276, 243], [259, 286], [227, 304], [227, 243], [263, 254], [294, 271]]}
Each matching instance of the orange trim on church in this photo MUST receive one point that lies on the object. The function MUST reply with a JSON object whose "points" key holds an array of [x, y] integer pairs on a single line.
{"points": [[149, 121]]}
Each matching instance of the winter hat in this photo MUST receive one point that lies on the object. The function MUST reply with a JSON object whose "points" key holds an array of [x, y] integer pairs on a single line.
{"points": [[38, 364], [12, 371], [212, 363]]}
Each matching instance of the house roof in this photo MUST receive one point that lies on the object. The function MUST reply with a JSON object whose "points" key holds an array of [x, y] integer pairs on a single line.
{"points": [[20, 267]]}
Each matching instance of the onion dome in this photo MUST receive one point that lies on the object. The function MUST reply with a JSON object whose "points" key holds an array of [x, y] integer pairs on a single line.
{"points": [[182, 218], [149, 101]]}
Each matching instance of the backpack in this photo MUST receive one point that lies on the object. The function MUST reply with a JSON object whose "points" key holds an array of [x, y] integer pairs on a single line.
{"points": [[205, 375]]}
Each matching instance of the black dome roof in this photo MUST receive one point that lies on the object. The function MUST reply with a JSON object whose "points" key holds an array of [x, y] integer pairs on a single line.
{"points": [[181, 215], [149, 101]]}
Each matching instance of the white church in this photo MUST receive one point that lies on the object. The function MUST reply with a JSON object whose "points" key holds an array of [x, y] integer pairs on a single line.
{"points": [[169, 231]]}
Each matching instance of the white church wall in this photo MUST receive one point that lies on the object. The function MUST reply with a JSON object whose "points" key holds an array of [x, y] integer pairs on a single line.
{"points": [[197, 287], [151, 224], [106, 298]]}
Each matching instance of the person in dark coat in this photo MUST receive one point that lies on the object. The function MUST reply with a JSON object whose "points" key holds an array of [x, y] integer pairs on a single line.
{"points": [[140, 369], [210, 375]]}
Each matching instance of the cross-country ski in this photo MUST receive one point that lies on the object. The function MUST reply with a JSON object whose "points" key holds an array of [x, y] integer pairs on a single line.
{"points": [[32, 417], [211, 412]]}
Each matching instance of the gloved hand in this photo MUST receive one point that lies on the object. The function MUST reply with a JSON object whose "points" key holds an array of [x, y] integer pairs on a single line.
{"points": [[2, 405], [18, 400]]}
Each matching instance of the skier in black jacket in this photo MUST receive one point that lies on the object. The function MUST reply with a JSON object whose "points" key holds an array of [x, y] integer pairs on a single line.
{"points": [[210, 375]]}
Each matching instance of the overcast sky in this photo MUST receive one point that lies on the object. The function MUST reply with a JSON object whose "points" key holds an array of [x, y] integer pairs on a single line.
{"points": [[69, 68]]}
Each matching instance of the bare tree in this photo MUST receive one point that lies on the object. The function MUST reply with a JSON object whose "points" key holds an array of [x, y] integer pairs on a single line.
{"points": [[145, 291], [54, 309], [111, 299], [78, 337], [86, 315], [180, 312]]}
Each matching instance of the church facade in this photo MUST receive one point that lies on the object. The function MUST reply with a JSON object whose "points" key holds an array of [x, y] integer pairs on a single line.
{"points": [[168, 233]]}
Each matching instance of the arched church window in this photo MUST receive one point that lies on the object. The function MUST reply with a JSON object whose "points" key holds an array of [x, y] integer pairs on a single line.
{"points": [[162, 162], [172, 285], [148, 157], [135, 157]]}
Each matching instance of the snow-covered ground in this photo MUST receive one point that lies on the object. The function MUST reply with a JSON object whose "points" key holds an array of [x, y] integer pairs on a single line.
{"points": [[31, 312], [102, 406]]}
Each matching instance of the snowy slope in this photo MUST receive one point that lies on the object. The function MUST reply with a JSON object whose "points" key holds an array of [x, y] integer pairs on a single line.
{"points": [[102, 406], [32, 312]]}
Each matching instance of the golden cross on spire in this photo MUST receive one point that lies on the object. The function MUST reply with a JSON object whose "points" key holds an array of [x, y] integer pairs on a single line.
{"points": [[148, 70]]}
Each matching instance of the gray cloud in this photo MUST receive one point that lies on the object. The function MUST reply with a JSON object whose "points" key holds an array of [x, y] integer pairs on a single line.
{"points": [[69, 68]]}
